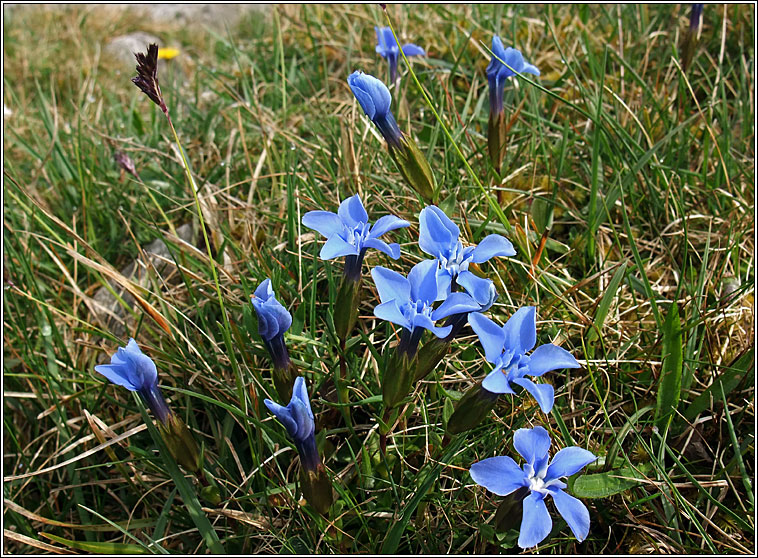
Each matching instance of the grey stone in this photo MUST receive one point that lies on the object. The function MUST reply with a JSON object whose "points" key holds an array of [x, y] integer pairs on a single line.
{"points": [[122, 48]]}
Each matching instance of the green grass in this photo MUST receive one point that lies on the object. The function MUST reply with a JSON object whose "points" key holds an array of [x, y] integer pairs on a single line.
{"points": [[644, 174]]}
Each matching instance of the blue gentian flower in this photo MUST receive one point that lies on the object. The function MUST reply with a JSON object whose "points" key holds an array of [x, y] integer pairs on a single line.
{"points": [[503, 476], [297, 419], [349, 234], [408, 302], [506, 348], [439, 237], [132, 369], [375, 100], [497, 72], [273, 321], [387, 47]]}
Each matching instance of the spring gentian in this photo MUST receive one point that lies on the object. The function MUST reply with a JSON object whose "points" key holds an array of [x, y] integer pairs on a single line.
{"points": [[408, 302], [388, 48], [498, 72], [375, 100], [273, 321], [439, 237], [134, 370], [297, 419], [506, 348], [503, 476], [348, 233], [483, 292]]}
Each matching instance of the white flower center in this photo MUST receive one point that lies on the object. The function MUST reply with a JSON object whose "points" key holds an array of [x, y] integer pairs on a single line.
{"points": [[457, 259], [357, 235]]}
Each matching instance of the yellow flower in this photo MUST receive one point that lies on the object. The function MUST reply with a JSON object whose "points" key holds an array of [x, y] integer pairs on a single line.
{"points": [[168, 53]]}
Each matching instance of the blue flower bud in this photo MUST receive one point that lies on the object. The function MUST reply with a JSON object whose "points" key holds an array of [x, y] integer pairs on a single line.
{"points": [[135, 371], [375, 100]]}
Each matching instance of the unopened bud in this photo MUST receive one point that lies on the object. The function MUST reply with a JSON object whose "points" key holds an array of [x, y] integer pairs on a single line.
{"points": [[471, 409], [317, 488], [415, 168], [181, 443], [346, 306]]}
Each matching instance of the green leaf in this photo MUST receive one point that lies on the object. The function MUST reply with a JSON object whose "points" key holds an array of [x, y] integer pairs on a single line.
{"points": [[99, 547], [670, 384], [602, 485], [730, 379]]}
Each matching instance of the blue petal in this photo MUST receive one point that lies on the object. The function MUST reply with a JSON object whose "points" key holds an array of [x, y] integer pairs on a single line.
{"points": [[386, 42], [543, 393], [352, 212], [568, 461], [303, 418], [423, 280], [500, 475], [444, 281], [497, 382], [392, 250], [391, 285], [495, 65], [456, 303], [521, 330], [574, 512], [514, 59], [284, 416], [437, 233], [280, 314], [413, 50], [490, 335], [529, 69], [482, 290], [119, 374], [132, 347], [550, 357], [300, 392], [492, 246], [535, 523], [145, 370], [371, 93], [325, 222], [386, 224], [420, 320], [335, 247], [390, 312], [264, 290], [532, 443]]}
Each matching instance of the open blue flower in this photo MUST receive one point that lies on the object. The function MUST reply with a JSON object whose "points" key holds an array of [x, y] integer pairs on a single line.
{"points": [[503, 476], [375, 100], [134, 370], [387, 47], [506, 348], [349, 233], [273, 321], [498, 73], [408, 302], [297, 419], [439, 237]]}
